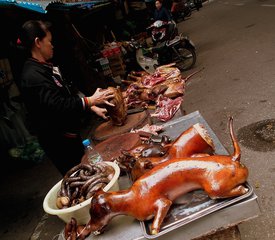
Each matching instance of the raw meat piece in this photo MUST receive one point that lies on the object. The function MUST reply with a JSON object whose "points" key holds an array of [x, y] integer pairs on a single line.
{"points": [[153, 129], [166, 108]]}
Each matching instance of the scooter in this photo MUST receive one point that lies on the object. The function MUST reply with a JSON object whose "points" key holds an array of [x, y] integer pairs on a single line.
{"points": [[177, 49], [162, 31], [194, 4], [180, 10]]}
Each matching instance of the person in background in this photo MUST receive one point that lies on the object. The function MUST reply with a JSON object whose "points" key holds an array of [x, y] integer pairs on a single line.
{"points": [[161, 13], [54, 111]]}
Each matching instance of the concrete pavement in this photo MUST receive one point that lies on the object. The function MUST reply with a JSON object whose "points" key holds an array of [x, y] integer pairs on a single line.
{"points": [[235, 45]]}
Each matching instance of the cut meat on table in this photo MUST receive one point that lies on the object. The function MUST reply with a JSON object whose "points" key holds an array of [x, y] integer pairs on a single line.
{"points": [[153, 129], [151, 80], [169, 72], [166, 108], [166, 80], [175, 89]]}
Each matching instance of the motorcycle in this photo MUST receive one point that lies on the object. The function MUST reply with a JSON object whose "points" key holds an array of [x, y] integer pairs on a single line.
{"points": [[168, 48], [194, 4], [180, 10], [162, 31]]}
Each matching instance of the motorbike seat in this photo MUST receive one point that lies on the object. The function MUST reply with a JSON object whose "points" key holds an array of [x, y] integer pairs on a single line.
{"points": [[173, 41]]}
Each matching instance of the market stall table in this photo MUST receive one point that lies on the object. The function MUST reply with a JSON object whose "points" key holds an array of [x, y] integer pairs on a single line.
{"points": [[201, 220]]}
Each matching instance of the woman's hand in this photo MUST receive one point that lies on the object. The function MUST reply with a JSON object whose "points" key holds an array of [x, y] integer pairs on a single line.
{"points": [[100, 111], [101, 96]]}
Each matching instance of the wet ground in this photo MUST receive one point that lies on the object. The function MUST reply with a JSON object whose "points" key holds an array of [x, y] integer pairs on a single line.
{"points": [[235, 45], [23, 188], [259, 136]]}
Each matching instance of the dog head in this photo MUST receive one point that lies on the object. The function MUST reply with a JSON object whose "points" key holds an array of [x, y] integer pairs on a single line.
{"points": [[100, 212]]}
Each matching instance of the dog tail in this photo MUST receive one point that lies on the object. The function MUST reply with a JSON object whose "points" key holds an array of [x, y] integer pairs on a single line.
{"points": [[237, 151]]}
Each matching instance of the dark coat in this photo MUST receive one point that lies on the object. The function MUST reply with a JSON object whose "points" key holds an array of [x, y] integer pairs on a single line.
{"points": [[162, 14], [49, 101]]}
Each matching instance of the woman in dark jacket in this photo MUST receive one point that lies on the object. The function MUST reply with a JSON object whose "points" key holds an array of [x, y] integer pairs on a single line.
{"points": [[161, 13], [54, 111]]}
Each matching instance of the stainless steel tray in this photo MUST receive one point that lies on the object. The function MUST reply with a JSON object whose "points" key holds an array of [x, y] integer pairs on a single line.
{"points": [[196, 204], [190, 207]]}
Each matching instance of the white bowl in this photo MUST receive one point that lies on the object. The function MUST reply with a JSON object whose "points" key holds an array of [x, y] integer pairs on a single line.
{"points": [[80, 211]]}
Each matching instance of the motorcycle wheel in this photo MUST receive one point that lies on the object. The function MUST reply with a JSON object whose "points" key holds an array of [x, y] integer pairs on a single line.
{"points": [[188, 12], [185, 59]]}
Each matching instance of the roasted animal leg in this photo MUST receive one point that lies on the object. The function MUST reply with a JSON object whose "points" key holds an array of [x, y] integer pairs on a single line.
{"points": [[162, 205]]}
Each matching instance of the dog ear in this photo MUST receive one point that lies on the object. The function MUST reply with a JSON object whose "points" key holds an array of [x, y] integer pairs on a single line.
{"points": [[98, 193]]}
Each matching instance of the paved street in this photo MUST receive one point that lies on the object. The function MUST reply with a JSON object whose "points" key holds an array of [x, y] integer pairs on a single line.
{"points": [[235, 45]]}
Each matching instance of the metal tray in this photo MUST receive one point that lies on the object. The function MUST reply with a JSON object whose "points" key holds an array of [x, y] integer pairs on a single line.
{"points": [[196, 204], [190, 207]]}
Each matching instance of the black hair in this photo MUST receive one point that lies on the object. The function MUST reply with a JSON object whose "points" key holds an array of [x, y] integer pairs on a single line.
{"points": [[31, 30], [159, 1]]}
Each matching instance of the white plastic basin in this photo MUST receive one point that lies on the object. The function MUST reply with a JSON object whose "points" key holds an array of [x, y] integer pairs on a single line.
{"points": [[80, 211]]}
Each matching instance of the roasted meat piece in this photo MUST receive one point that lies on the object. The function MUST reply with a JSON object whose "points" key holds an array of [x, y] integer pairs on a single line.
{"points": [[118, 113]]}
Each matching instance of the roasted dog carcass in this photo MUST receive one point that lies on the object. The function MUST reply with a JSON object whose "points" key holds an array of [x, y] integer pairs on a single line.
{"points": [[220, 176], [192, 142]]}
